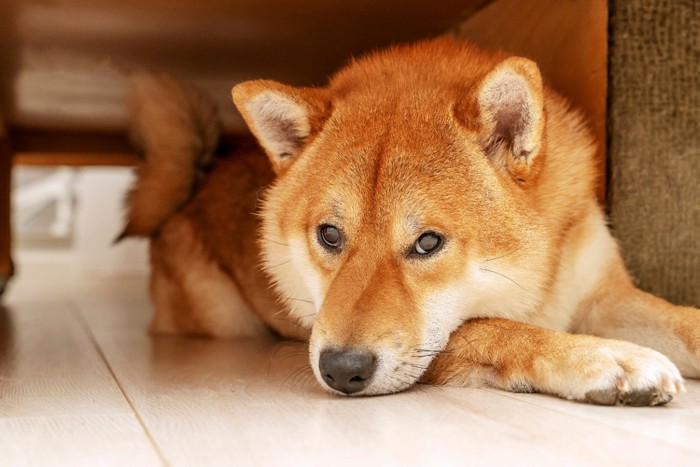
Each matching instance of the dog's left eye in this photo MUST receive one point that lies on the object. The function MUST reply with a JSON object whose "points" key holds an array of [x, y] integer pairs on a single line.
{"points": [[427, 243], [329, 236]]}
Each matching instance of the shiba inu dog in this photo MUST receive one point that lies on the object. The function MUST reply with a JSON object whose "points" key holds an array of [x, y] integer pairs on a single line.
{"points": [[428, 216]]}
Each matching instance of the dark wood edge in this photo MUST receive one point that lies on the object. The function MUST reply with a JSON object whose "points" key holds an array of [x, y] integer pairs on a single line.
{"points": [[75, 148]]}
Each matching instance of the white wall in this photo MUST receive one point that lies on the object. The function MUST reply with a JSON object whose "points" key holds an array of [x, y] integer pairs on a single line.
{"points": [[98, 220]]}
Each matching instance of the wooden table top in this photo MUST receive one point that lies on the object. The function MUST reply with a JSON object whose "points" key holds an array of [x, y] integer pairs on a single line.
{"points": [[64, 61]]}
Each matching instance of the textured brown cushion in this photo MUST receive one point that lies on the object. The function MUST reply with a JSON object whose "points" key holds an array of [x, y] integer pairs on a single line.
{"points": [[654, 129]]}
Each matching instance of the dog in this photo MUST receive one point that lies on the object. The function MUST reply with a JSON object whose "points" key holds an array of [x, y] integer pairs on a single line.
{"points": [[428, 216]]}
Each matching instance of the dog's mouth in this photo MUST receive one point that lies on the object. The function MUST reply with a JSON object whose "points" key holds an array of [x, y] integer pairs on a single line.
{"points": [[360, 372]]}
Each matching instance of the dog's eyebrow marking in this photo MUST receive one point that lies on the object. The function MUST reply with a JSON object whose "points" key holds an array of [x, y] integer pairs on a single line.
{"points": [[338, 210], [413, 224]]}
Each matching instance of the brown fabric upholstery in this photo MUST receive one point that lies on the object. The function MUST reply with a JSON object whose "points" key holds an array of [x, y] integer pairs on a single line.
{"points": [[654, 134]]}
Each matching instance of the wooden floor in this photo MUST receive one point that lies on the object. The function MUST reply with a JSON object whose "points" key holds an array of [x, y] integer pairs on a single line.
{"points": [[81, 383]]}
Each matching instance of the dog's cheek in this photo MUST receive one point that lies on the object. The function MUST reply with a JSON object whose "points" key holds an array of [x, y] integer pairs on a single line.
{"points": [[306, 272], [443, 313], [293, 272], [314, 355], [439, 298]]}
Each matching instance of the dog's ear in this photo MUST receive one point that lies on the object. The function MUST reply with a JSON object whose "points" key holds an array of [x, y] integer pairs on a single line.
{"points": [[512, 119], [283, 119]]}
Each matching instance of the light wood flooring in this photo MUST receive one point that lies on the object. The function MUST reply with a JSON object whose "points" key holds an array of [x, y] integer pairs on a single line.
{"points": [[82, 383]]}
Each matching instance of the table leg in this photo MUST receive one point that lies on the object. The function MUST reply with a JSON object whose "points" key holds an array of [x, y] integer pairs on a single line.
{"points": [[6, 267]]}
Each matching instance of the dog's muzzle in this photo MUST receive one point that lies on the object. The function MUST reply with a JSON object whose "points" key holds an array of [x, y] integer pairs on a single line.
{"points": [[347, 371]]}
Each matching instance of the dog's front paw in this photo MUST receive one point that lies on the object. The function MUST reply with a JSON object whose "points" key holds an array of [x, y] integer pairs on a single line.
{"points": [[615, 372]]}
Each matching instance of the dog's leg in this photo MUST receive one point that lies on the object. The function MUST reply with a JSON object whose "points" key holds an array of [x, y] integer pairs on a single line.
{"points": [[621, 311], [521, 357]]}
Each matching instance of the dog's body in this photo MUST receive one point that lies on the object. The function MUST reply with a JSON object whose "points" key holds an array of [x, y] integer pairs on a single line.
{"points": [[429, 215]]}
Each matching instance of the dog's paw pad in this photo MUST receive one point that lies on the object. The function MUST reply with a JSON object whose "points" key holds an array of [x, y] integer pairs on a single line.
{"points": [[650, 396], [645, 397], [631, 375], [602, 396]]}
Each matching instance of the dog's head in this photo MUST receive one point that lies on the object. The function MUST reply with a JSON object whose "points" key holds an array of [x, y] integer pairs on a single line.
{"points": [[402, 204]]}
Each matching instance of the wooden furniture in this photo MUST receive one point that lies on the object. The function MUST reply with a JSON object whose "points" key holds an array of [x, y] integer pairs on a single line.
{"points": [[569, 42], [63, 64], [6, 267]]}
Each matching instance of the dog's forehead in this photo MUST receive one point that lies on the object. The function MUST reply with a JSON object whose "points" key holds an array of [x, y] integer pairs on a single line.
{"points": [[399, 176]]}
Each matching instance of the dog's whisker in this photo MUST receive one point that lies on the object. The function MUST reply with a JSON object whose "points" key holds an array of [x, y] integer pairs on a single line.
{"points": [[299, 300], [307, 316], [415, 365], [291, 356], [424, 356], [502, 275], [278, 265], [303, 377], [291, 378], [273, 241], [503, 255], [290, 321], [283, 315], [308, 378], [427, 352], [279, 347], [278, 314]]}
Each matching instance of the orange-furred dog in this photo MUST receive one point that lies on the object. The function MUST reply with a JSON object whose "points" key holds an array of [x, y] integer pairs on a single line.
{"points": [[428, 216]]}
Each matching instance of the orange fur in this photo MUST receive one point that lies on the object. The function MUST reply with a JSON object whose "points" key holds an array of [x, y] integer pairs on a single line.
{"points": [[438, 137], [177, 150]]}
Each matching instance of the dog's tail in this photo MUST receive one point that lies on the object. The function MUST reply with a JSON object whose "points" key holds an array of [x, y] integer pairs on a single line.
{"points": [[177, 129]]}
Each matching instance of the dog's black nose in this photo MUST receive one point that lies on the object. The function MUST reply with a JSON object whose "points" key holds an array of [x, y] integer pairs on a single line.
{"points": [[347, 371]]}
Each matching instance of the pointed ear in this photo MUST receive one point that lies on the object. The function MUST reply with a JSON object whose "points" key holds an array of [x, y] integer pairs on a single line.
{"points": [[511, 112], [283, 119]]}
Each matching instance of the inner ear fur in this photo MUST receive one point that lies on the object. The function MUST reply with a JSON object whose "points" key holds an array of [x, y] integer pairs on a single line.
{"points": [[511, 114], [282, 118]]}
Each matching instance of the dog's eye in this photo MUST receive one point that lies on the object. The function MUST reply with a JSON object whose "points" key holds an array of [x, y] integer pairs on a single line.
{"points": [[329, 236], [427, 243]]}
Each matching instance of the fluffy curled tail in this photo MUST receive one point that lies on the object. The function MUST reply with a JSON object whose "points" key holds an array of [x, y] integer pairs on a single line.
{"points": [[177, 129]]}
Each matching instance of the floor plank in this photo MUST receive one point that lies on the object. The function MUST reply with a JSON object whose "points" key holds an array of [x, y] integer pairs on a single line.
{"points": [[252, 403], [677, 423], [59, 404]]}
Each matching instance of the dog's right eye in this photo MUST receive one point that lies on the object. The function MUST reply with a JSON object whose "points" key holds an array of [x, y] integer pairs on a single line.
{"points": [[329, 237], [427, 244]]}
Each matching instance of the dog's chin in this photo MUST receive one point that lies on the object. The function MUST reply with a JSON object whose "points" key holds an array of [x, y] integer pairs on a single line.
{"points": [[369, 392], [385, 381], [372, 390]]}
